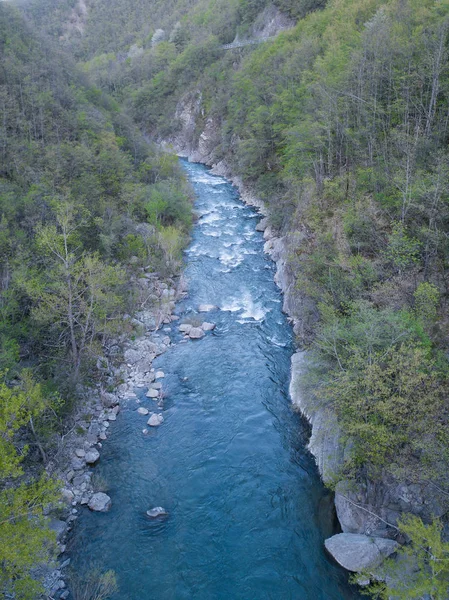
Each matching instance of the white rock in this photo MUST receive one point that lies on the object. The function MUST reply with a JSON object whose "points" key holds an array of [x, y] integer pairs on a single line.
{"points": [[92, 456], [357, 552], [206, 307], [157, 511], [159, 375], [196, 333], [185, 327], [100, 502], [208, 326], [80, 453], [152, 393], [142, 411], [155, 420]]}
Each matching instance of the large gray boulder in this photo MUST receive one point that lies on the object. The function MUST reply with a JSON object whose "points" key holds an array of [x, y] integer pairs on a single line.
{"points": [[208, 326], [92, 456], [100, 502], [196, 333], [357, 552]]}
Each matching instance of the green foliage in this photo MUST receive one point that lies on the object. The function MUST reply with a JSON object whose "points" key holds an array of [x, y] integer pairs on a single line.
{"points": [[422, 568], [24, 538], [427, 298]]}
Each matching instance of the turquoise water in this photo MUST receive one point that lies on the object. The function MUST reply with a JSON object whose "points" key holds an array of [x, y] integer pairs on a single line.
{"points": [[247, 512]]}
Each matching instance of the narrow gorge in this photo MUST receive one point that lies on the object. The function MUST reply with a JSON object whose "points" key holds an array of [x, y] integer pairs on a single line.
{"points": [[247, 513]]}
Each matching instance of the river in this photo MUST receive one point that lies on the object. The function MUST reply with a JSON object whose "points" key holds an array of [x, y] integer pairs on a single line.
{"points": [[247, 511]]}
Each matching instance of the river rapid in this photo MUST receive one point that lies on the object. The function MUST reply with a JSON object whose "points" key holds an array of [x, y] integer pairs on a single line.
{"points": [[247, 511]]}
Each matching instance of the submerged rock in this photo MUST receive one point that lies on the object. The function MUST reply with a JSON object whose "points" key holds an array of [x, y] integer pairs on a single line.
{"points": [[100, 502], [142, 411], [208, 326], [155, 420], [357, 552], [196, 333], [206, 307], [157, 511]]}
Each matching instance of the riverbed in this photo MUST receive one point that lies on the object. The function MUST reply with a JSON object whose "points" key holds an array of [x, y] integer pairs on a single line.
{"points": [[247, 513]]}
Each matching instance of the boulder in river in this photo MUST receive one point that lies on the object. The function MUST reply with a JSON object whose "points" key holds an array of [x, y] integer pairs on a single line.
{"points": [[157, 511], [357, 552], [152, 393], [159, 375], [92, 456], [208, 326], [196, 333], [206, 307], [155, 420], [185, 327], [100, 502], [142, 411]]}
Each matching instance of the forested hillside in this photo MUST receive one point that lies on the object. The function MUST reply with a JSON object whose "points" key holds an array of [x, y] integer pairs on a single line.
{"points": [[85, 204], [340, 125]]}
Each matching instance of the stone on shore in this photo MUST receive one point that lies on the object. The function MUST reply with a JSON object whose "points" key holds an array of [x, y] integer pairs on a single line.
{"points": [[59, 528], [142, 411], [92, 456], [358, 552], [157, 511], [78, 463], [152, 393], [155, 420], [206, 307], [100, 502], [208, 326], [196, 333], [262, 224]]}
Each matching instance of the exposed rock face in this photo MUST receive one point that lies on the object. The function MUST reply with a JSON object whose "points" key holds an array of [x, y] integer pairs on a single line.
{"points": [[100, 502], [357, 552], [325, 442]]}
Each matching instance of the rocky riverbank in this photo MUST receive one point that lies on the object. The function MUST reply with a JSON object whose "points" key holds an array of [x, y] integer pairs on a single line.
{"points": [[127, 362]]}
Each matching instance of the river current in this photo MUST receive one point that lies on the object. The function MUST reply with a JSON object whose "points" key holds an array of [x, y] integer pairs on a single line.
{"points": [[247, 511]]}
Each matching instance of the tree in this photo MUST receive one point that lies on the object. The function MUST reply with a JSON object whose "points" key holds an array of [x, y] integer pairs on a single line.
{"points": [[77, 298], [25, 539], [421, 569]]}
